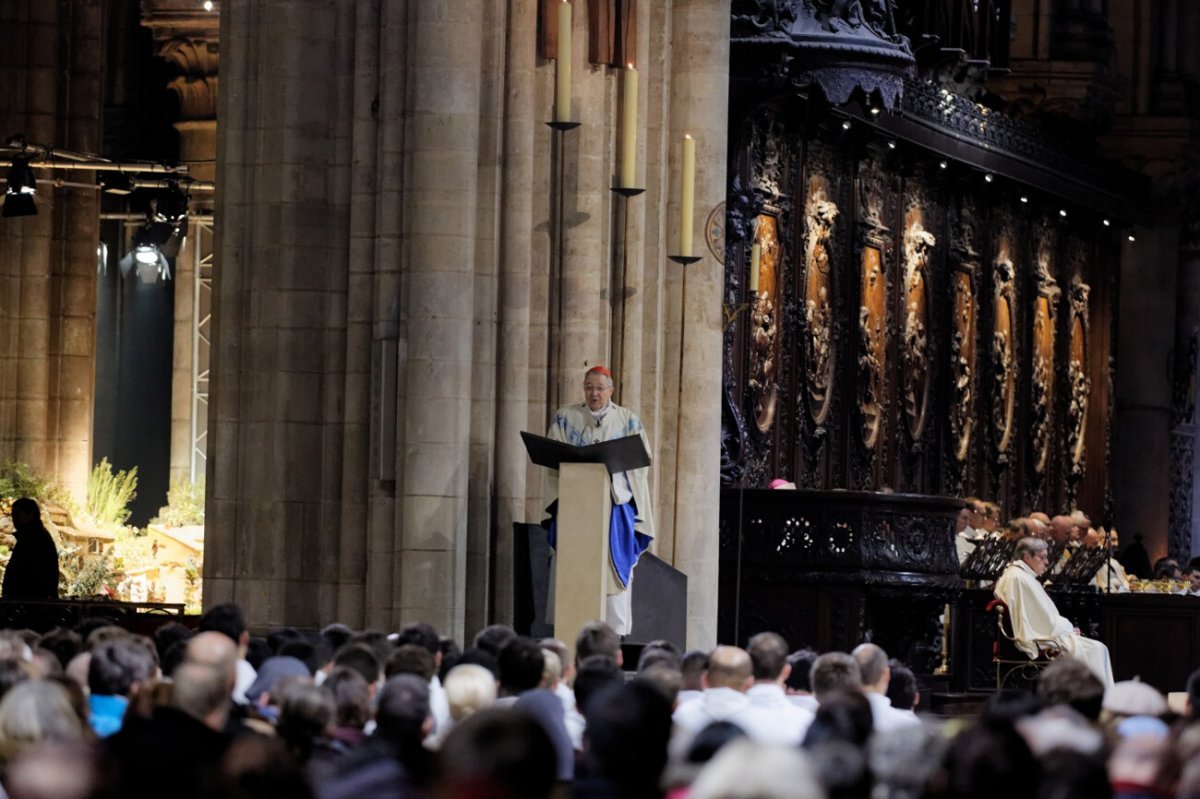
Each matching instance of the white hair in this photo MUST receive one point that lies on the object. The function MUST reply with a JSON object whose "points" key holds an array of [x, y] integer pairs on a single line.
{"points": [[744, 769]]}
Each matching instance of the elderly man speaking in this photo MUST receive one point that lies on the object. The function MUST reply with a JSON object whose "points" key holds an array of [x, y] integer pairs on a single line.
{"points": [[1034, 615], [631, 527]]}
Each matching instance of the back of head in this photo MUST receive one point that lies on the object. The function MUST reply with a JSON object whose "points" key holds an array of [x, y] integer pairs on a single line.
{"points": [[419, 634], [480, 657], [360, 658], [167, 635], [492, 638], [657, 656], [872, 664], [628, 726], [403, 709], [336, 635], [226, 618], [375, 640], [729, 667], [801, 662], [745, 769], [36, 711], [594, 674], [117, 665], [521, 666], [64, 643], [1069, 681], [304, 714], [351, 697], [411, 659], [310, 653], [834, 671], [666, 679], [768, 655], [200, 690], [498, 754], [843, 717], [692, 666], [469, 689], [902, 687], [597, 638], [215, 649], [990, 761]]}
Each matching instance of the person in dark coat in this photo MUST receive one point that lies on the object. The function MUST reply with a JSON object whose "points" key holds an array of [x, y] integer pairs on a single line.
{"points": [[32, 571]]}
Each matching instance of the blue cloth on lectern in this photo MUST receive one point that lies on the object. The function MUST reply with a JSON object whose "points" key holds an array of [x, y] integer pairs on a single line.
{"points": [[625, 545]]}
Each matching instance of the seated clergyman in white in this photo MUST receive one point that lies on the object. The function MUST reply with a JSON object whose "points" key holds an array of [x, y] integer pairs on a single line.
{"points": [[1034, 615]]}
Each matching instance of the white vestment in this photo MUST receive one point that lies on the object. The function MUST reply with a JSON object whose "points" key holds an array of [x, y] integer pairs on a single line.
{"points": [[1033, 615], [578, 426]]}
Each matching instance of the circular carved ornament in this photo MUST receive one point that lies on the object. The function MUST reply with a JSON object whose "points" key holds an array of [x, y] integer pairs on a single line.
{"points": [[714, 232]]}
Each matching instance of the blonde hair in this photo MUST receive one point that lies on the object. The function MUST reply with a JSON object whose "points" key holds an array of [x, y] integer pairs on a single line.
{"points": [[469, 688], [552, 668], [33, 712]]}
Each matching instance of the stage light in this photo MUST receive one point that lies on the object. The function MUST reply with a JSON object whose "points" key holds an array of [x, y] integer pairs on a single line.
{"points": [[943, 164], [1062, 212], [1132, 237], [1107, 223], [170, 206], [117, 183], [891, 144], [875, 111], [208, 5], [18, 198], [846, 125], [988, 178], [1024, 198]]}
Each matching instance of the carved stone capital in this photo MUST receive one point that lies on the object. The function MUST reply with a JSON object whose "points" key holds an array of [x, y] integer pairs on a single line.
{"points": [[186, 36]]}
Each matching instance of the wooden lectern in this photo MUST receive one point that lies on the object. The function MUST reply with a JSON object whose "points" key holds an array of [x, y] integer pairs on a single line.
{"points": [[584, 510]]}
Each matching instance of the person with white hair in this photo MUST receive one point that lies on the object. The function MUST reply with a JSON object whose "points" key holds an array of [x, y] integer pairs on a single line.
{"points": [[745, 769], [1034, 616]]}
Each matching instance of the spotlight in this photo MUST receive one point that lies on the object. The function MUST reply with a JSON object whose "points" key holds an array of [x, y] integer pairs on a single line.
{"points": [[1107, 223], [846, 125], [147, 254], [18, 198], [1062, 212], [891, 144], [875, 111], [943, 164], [1024, 198], [208, 5], [170, 206], [1132, 237], [988, 177]]}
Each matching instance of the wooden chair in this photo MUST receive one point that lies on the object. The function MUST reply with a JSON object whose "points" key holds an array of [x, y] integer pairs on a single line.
{"points": [[1014, 667]]}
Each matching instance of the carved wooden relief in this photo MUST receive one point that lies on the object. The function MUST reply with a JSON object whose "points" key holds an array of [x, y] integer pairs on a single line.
{"points": [[962, 362], [918, 243], [1042, 368], [764, 323], [1004, 367], [1079, 385], [820, 216], [872, 319], [872, 307]]}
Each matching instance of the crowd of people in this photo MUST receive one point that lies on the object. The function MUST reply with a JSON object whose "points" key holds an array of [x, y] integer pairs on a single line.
{"points": [[97, 711]]}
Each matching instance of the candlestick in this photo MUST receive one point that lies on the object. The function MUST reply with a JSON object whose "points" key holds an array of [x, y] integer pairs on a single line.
{"points": [[629, 129], [755, 264], [687, 199], [562, 67]]}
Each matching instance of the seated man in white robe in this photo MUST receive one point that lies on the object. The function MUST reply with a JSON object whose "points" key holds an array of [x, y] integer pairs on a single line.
{"points": [[1034, 616]]}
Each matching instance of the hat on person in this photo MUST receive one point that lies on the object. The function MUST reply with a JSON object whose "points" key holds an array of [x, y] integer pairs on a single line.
{"points": [[1134, 698], [598, 369], [272, 670]]}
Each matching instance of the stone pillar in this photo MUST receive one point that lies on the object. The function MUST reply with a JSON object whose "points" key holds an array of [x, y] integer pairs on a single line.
{"points": [[1185, 488], [699, 105], [48, 262], [1141, 451], [442, 142]]}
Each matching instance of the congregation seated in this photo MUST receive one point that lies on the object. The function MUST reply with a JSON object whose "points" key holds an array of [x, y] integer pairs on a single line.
{"points": [[361, 733]]}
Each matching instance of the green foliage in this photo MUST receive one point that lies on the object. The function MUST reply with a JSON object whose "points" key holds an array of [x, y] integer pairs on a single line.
{"points": [[19, 479], [95, 575], [185, 504], [109, 494]]}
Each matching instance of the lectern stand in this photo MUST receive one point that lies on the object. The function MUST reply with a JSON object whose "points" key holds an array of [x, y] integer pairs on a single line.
{"points": [[584, 509]]}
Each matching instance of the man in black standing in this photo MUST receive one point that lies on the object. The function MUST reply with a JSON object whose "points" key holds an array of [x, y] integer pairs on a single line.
{"points": [[32, 571]]}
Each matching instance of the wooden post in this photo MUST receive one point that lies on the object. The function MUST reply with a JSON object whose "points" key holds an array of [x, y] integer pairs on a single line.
{"points": [[584, 508]]}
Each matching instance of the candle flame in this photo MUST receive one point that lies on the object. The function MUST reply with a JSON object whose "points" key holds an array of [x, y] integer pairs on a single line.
{"points": [[687, 135], [629, 65]]}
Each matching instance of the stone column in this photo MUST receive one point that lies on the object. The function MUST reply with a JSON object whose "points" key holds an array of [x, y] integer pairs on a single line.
{"points": [[699, 105], [442, 142], [1185, 488], [47, 358], [1141, 451]]}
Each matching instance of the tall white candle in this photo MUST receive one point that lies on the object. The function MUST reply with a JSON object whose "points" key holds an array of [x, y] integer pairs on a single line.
{"points": [[629, 129], [755, 265], [562, 68], [687, 199]]}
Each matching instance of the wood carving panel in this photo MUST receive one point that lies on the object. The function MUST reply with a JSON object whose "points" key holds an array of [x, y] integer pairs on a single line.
{"points": [[962, 363], [1045, 302], [872, 319], [918, 245], [1079, 385], [1004, 365], [820, 217], [764, 323]]}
